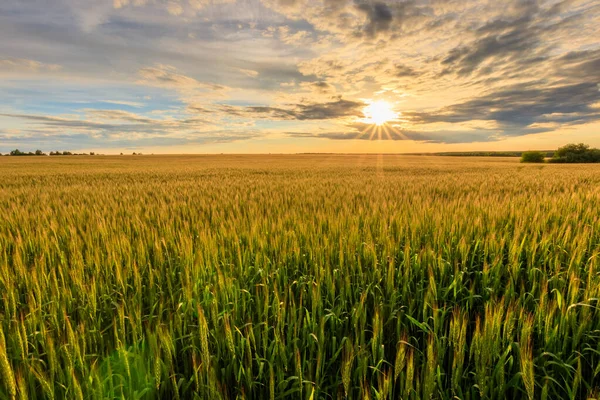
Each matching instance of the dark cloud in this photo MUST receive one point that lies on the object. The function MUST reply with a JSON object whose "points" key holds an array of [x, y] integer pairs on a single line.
{"points": [[312, 111], [507, 41], [579, 66], [521, 106], [264, 112], [396, 18], [334, 109], [402, 71], [322, 87], [273, 73], [514, 44], [379, 17], [197, 109], [516, 41]]}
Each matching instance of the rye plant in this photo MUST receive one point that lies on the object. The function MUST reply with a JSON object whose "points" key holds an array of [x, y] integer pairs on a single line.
{"points": [[300, 277]]}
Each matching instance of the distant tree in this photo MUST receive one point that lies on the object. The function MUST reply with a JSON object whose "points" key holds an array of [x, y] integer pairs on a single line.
{"points": [[39, 153], [533, 157], [572, 148], [134, 153], [67, 153], [576, 153], [16, 152], [92, 153]]}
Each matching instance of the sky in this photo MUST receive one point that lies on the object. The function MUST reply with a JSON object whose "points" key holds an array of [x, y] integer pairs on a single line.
{"points": [[293, 76]]}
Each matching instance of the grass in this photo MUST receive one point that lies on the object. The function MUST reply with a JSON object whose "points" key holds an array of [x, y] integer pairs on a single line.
{"points": [[301, 277]]}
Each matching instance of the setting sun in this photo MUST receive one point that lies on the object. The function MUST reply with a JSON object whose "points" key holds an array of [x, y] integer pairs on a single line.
{"points": [[379, 112]]}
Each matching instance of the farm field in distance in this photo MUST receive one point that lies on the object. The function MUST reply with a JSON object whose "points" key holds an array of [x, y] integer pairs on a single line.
{"points": [[298, 277]]}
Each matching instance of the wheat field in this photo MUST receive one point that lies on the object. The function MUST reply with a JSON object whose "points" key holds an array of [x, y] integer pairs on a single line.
{"points": [[298, 277]]}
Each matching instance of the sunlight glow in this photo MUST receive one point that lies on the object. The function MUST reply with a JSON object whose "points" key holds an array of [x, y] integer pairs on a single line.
{"points": [[379, 112]]}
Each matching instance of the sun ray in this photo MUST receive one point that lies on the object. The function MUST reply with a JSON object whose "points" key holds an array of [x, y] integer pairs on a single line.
{"points": [[373, 131], [386, 131]]}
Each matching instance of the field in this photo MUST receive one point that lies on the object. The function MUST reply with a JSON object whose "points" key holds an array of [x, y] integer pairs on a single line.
{"points": [[300, 277]]}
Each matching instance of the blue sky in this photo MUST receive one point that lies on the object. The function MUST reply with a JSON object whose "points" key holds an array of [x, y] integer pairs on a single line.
{"points": [[247, 76]]}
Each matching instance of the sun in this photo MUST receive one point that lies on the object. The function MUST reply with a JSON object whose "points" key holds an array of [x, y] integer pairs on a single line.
{"points": [[379, 112]]}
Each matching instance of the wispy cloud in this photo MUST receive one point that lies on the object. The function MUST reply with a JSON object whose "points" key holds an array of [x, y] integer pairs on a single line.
{"points": [[115, 127], [167, 76], [20, 65]]}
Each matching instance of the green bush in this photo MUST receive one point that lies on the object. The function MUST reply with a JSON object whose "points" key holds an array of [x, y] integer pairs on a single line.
{"points": [[533, 157], [576, 153]]}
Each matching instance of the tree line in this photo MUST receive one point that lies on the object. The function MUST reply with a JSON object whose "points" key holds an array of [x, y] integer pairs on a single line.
{"points": [[568, 154], [18, 152], [548, 153]]}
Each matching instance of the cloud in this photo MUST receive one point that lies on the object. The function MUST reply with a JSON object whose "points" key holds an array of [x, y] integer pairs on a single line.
{"points": [[330, 110], [174, 8], [288, 36], [167, 76], [24, 65], [124, 3], [518, 107], [578, 66], [201, 4], [402, 71], [517, 43], [324, 67], [528, 34], [249, 72], [114, 128], [312, 111], [119, 115], [124, 103], [379, 17], [319, 87]]}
